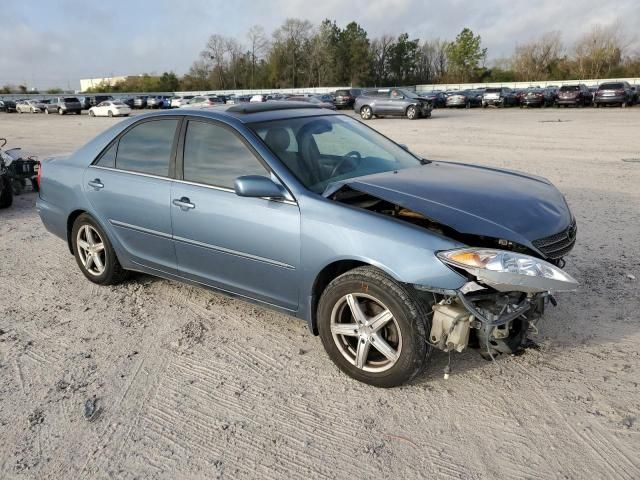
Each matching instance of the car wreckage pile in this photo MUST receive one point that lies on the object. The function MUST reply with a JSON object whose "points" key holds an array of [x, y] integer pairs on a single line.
{"points": [[16, 169]]}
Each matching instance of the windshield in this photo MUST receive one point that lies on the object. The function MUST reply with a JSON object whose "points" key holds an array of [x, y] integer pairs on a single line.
{"points": [[612, 86], [321, 150], [71, 99]]}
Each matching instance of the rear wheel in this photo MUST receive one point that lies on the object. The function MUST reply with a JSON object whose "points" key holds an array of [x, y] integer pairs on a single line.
{"points": [[46, 111], [60, 111], [94, 254], [366, 113], [110, 113], [92, 113], [374, 328]]}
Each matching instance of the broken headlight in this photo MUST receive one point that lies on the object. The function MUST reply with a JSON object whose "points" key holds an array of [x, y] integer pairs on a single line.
{"points": [[509, 271]]}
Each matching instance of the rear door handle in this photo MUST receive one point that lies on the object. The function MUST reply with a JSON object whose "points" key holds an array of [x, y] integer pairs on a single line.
{"points": [[96, 184], [184, 203]]}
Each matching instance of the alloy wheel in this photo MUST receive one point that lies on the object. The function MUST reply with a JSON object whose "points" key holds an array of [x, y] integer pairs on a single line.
{"points": [[365, 332], [91, 250]]}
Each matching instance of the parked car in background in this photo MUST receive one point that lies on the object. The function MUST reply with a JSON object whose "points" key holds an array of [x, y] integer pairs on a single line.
{"points": [[318, 216], [392, 102], [202, 101], [346, 98], [577, 95], [180, 100], [535, 97], [128, 101], [30, 106], [498, 97], [436, 99], [326, 98], [258, 98], [140, 101], [64, 105], [110, 108], [614, 93], [160, 101], [313, 100], [464, 99], [8, 106]]}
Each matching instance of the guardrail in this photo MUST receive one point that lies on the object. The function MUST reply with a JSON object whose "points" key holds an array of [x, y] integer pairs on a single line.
{"points": [[542, 84]]}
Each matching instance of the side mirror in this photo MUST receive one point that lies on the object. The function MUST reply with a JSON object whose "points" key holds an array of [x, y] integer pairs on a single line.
{"points": [[258, 186]]}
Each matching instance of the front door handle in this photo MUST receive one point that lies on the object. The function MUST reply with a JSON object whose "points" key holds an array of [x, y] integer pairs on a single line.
{"points": [[184, 203], [96, 184]]}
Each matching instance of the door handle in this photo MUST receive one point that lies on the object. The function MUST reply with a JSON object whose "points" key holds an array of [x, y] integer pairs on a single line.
{"points": [[184, 203], [96, 184]]}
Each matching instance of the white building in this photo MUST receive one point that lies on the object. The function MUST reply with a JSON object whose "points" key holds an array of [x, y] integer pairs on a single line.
{"points": [[87, 83]]}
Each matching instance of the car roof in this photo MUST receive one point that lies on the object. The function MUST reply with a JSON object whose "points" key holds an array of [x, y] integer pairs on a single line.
{"points": [[252, 112]]}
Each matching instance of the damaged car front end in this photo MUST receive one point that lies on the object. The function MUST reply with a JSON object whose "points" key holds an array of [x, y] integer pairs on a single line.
{"points": [[517, 230]]}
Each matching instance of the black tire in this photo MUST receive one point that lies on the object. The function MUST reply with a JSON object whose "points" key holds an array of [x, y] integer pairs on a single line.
{"points": [[113, 272], [6, 192], [412, 112], [34, 185], [410, 317], [91, 113]]}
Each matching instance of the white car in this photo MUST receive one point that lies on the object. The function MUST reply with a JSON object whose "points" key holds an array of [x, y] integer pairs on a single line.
{"points": [[110, 108], [179, 101], [29, 106]]}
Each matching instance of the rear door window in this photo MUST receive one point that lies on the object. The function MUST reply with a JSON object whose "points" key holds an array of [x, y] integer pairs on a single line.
{"points": [[147, 147]]}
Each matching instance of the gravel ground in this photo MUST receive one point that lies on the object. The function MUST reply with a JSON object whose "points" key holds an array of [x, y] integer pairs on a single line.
{"points": [[154, 379]]}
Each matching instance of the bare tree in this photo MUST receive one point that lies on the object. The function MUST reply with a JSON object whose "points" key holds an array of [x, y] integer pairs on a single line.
{"points": [[599, 50], [535, 60], [215, 54], [258, 44], [380, 52]]}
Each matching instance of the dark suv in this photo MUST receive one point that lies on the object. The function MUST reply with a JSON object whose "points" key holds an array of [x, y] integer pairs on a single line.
{"points": [[576, 95], [346, 98], [64, 105], [614, 93], [392, 101]]}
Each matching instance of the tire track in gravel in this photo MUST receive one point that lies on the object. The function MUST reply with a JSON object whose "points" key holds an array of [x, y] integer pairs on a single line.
{"points": [[614, 460]]}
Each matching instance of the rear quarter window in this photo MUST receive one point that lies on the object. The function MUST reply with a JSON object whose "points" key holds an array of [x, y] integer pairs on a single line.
{"points": [[147, 147]]}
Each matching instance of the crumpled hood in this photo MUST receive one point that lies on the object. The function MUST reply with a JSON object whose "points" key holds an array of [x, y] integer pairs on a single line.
{"points": [[473, 200]]}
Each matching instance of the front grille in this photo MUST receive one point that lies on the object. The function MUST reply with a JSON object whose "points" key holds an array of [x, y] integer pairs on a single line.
{"points": [[559, 244]]}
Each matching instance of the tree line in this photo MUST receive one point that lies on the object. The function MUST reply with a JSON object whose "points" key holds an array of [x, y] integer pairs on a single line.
{"points": [[299, 54]]}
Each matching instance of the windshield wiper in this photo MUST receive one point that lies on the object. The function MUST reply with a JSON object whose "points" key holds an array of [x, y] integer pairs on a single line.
{"points": [[424, 161]]}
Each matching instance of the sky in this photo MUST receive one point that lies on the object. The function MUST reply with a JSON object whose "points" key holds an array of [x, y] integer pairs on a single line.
{"points": [[57, 42]]}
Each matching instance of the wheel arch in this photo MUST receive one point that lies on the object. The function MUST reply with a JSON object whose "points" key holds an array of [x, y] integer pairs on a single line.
{"points": [[327, 275], [71, 219]]}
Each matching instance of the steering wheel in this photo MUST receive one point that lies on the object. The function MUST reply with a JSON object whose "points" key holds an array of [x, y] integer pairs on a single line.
{"points": [[353, 156]]}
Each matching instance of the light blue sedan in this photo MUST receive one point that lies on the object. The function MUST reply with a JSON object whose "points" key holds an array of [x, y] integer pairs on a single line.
{"points": [[386, 255]]}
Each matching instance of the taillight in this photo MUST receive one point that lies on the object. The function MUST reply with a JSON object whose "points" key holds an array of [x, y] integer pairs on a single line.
{"points": [[620, 92], [39, 177]]}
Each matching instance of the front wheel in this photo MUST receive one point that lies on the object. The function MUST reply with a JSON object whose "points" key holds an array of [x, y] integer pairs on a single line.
{"points": [[366, 113], [412, 113], [374, 328], [94, 254], [46, 111], [60, 111], [92, 113]]}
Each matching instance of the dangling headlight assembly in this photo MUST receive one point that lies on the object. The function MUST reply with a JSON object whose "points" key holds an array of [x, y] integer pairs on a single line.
{"points": [[510, 271]]}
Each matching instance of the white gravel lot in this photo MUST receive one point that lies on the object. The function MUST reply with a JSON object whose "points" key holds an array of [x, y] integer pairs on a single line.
{"points": [[190, 384]]}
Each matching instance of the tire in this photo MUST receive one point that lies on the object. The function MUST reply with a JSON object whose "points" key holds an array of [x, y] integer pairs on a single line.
{"points": [[404, 331], [60, 111], [623, 105], [46, 111], [366, 113], [92, 113], [34, 185], [112, 272], [110, 113], [6, 192], [412, 112], [79, 112]]}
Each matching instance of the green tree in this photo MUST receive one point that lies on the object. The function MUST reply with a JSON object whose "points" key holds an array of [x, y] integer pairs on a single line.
{"points": [[54, 91], [466, 57]]}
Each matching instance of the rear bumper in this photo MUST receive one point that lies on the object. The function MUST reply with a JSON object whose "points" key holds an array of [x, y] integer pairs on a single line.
{"points": [[569, 101], [614, 99]]}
